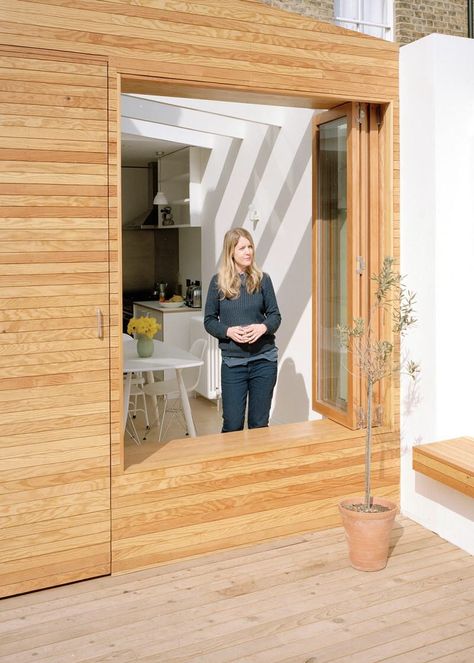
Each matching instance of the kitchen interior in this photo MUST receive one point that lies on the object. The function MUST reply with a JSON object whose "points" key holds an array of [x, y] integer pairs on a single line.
{"points": [[161, 270], [218, 164]]}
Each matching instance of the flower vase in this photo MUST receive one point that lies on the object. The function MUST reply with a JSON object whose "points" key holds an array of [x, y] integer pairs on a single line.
{"points": [[144, 345]]}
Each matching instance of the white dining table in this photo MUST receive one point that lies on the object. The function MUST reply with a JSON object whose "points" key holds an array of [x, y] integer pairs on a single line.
{"points": [[165, 356]]}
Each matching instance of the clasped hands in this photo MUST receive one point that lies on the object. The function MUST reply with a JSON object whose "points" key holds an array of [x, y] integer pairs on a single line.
{"points": [[248, 334]]}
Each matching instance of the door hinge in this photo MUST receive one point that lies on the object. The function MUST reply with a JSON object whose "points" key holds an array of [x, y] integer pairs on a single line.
{"points": [[360, 265], [360, 114]]}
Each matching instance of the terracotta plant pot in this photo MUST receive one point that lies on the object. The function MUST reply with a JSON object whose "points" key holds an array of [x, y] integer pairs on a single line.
{"points": [[368, 534]]}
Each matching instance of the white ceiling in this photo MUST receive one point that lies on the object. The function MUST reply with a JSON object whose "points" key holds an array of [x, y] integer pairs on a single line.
{"points": [[140, 150], [148, 121]]}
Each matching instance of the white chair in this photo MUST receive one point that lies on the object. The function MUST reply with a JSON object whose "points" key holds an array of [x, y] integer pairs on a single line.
{"points": [[168, 390], [136, 392]]}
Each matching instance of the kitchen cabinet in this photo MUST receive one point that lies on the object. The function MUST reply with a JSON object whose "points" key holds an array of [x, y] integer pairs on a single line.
{"points": [[181, 174], [175, 324]]}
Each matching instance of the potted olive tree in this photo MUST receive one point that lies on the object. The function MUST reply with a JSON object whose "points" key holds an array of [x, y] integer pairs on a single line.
{"points": [[368, 520]]}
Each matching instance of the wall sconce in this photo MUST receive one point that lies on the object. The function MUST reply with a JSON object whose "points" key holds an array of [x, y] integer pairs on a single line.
{"points": [[254, 216]]}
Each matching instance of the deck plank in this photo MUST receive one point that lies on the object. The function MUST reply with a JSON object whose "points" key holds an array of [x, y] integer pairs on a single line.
{"points": [[457, 649], [292, 600]]}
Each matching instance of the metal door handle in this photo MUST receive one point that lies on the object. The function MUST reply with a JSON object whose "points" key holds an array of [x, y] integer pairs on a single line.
{"points": [[100, 329]]}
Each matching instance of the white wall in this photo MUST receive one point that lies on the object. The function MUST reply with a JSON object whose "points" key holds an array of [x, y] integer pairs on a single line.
{"points": [[437, 254], [259, 156]]}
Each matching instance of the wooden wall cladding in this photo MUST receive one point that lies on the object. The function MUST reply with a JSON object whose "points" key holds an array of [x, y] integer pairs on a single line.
{"points": [[54, 275], [237, 489], [60, 259], [236, 44]]}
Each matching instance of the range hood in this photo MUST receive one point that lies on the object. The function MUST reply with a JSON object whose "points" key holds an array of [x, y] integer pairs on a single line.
{"points": [[148, 219]]}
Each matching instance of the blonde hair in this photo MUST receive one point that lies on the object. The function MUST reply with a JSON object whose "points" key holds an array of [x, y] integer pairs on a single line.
{"points": [[228, 278]]}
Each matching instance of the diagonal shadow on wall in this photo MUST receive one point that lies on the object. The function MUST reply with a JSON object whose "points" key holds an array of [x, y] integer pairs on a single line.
{"points": [[256, 174], [298, 275], [212, 199], [282, 203]]}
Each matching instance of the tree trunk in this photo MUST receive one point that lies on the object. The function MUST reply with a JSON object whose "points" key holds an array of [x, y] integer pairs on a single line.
{"points": [[368, 445]]}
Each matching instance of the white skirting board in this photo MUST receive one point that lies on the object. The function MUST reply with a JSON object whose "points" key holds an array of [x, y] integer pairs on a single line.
{"points": [[209, 384]]}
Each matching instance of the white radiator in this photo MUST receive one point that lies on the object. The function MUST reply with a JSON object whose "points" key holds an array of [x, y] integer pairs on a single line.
{"points": [[209, 384]]}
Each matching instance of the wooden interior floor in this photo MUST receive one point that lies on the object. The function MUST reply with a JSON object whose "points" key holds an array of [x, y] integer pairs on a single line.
{"points": [[207, 419], [295, 600]]}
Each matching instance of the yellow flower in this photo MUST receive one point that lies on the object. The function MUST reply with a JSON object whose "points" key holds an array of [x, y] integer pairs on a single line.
{"points": [[143, 325]]}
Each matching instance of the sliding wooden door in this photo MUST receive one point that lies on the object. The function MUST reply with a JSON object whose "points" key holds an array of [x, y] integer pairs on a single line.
{"points": [[54, 320]]}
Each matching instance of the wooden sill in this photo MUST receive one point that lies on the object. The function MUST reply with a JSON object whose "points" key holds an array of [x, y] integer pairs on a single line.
{"points": [[242, 443]]}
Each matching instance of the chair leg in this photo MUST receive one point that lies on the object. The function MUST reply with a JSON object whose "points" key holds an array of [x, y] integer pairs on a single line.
{"points": [[145, 411], [133, 406], [175, 412], [134, 434], [157, 418], [179, 414], [157, 413], [165, 402]]}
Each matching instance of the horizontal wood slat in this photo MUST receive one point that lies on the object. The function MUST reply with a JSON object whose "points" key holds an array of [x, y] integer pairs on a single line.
{"points": [[62, 326], [52, 169], [59, 277], [87, 430], [92, 300], [56, 155]]}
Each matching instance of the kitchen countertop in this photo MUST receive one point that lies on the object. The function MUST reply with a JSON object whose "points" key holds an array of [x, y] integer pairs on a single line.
{"points": [[156, 305]]}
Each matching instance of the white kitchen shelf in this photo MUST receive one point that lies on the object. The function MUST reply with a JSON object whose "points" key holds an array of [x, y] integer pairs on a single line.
{"points": [[177, 225]]}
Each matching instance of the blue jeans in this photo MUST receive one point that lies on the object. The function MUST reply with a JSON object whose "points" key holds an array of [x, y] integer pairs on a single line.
{"points": [[257, 380]]}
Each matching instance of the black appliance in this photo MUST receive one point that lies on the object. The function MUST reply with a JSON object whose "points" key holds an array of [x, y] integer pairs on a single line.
{"points": [[130, 296]]}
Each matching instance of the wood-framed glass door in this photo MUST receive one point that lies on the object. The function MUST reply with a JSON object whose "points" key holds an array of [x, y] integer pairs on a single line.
{"points": [[348, 246]]}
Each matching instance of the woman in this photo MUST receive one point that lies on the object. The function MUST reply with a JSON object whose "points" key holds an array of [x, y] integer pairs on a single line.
{"points": [[242, 312]]}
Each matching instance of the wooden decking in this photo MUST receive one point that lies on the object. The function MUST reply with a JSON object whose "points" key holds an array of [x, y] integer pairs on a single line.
{"points": [[293, 601]]}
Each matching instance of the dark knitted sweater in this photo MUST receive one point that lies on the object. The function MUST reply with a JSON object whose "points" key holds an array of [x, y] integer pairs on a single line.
{"points": [[247, 309]]}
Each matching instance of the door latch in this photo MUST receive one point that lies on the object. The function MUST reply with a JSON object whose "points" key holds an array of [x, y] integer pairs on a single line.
{"points": [[100, 326]]}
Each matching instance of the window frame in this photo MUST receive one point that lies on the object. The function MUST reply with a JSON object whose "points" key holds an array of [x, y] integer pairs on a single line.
{"points": [[347, 111], [358, 23], [369, 240]]}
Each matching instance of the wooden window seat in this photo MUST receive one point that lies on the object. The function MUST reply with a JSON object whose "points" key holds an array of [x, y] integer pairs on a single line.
{"points": [[194, 496], [451, 462]]}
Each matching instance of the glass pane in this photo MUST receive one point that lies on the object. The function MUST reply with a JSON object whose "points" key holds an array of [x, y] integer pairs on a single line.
{"points": [[333, 377], [347, 9], [374, 12], [361, 15]]}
